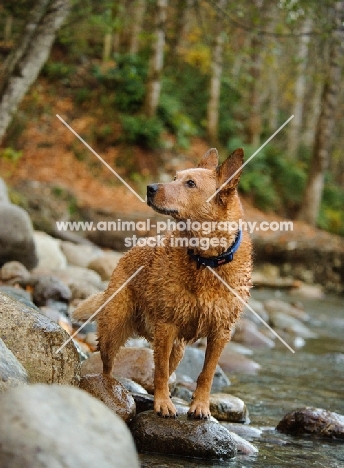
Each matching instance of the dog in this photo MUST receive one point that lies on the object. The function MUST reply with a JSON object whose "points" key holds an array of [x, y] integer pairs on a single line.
{"points": [[176, 299]]}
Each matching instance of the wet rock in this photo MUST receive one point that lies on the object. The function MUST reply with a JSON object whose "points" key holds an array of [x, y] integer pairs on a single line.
{"points": [[274, 305], [34, 340], [3, 192], [19, 295], [243, 430], [192, 364], [16, 236], [243, 446], [12, 272], [247, 332], [225, 407], [290, 325], [81, 289], [232, 362], [50, 288], [259, 308], [49, 253], [45, 426], [105, 264], [112, 393], [12, 373], [131, 386], [182, 437], [133, 363], [314, 421], [79, 255]]}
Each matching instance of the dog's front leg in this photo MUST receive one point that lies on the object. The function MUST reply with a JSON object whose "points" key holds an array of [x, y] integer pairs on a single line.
{"points": [[164, 337], [199, 407]]}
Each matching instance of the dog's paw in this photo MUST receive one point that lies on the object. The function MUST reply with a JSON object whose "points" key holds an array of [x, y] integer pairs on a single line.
{"points": [[165, 408], [199, 410]]}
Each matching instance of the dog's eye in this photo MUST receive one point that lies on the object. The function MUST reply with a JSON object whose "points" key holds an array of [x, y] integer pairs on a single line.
{"points": [[190, 183]]}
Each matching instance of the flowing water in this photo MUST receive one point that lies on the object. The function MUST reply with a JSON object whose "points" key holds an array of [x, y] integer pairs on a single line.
{"points": [[313, 376]]}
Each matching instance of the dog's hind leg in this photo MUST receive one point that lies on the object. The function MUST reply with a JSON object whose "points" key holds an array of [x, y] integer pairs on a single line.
{"points": [[176, 355], [115, 326]]}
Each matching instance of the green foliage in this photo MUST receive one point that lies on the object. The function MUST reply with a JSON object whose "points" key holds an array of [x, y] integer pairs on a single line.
{"points": [[127, 79], [331, 216], [11, 154], [58, 71], [142, 131]]}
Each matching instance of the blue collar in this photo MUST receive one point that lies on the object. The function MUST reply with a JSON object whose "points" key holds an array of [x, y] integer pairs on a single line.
{"points": [[222, 259]]}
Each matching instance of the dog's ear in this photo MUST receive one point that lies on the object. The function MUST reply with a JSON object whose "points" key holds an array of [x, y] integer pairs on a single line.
{"points": [[230, 170], [210, 160]]}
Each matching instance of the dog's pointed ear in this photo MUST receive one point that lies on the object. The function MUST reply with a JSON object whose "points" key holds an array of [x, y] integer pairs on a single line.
{"points": [[230, 170], [210, 160]]}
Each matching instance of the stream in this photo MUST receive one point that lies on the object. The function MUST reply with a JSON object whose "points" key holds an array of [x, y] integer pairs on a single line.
{"points": [[313, 376]]}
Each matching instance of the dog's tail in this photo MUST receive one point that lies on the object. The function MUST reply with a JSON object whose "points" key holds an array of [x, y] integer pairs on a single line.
{"points": [[88, 307]]}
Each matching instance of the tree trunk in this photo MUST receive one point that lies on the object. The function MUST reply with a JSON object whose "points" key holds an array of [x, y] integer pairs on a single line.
{"points": [[215, 80], [138, 15], [312, 197], [23, 65], [156, 61], [299, 92], [255, 119], [182, 25]]}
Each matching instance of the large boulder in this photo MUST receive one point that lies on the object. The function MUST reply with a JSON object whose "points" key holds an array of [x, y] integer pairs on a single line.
{"points": [[3, 192], [16, 236], [34, 339], [12, 373], [182, 437], [45, 426]]}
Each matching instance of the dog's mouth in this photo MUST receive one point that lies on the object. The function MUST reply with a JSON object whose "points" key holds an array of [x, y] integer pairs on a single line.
{"points": [[164, 211]]}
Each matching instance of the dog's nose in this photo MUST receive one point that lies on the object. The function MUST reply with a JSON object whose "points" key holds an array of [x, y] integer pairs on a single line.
{"points": [[152, 189]]}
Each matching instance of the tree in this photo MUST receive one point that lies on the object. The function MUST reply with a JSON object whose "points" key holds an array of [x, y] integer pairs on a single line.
{"points": [[323, 136], [23, 65], [139, 7], [216, 74], [156, 61]]}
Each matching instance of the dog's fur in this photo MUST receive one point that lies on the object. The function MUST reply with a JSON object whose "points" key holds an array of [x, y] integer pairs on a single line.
{"points": [[170, 301]]}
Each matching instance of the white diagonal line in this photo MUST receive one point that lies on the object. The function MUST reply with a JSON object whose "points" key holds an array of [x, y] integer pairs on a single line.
{"points": [[100, 159], [249, 159], [100, 308], [250, 308]]}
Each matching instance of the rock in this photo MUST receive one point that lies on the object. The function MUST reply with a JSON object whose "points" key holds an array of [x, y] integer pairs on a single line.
{"points": [[50, 288], [72, 274], [192, 364], [308, 291], [132, 363], [275, 305], [314, 421], [34, 340], [290, 325], [182, 392], [243, 446], [259, 308], [49, 253], [105, 264], [232, 362], [12, 272], [112, 393], [79, 255], [261, 280], [46, 426], [182, 437], [131, 386], [247, 333], [243, 430], [3, 192], [12, 373], [16, 236], [225, 407], [19, 295], [81, 289]]}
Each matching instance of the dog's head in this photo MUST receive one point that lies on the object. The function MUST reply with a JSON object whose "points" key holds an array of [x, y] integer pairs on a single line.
{"points": [[191, 194]]}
